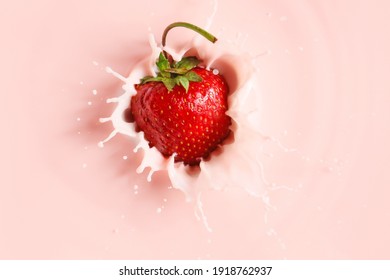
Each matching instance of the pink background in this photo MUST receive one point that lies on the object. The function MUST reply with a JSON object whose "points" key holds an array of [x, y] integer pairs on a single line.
{"points": [[326, 91]]}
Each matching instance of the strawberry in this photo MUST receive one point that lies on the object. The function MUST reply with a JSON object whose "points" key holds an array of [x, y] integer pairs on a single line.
{"points": [[182, 110]]}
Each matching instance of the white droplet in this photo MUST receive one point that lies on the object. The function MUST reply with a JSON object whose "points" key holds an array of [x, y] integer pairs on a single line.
{"points": [[103, 120], [95, 63], [100, 144], [124, 157], [119, 76], [78, 119], [158, 210], [89, 103], [136, 187], [283, 18], [84, 165], [94, 92], [81, 82], [271, 232], [215, 71], [112, 100]]}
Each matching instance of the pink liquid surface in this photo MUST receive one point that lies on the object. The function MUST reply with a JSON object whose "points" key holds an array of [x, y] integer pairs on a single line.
{"points": [[323, 67]]}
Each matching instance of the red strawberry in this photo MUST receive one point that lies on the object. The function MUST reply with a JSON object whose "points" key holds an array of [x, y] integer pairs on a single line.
{"points": [[182, 110]]}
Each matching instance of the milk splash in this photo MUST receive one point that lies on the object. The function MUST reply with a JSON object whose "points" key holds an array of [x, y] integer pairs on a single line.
{"points": [[236, 163]]}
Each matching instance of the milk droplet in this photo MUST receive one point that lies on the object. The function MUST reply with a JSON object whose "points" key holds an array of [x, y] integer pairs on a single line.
{"points": [[78, 119], [124, 157], [89, 103], [95, 63], [271, 232], [94, 92], [112, 100], [283, 18], [103, 120], [115, 74], [158, 210]]}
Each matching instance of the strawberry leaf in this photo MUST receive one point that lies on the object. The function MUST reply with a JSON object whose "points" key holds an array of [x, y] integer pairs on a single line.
{"points": [[146, 79], [178, 71], [187, 63], [151, 79], [162, 63], [181, 80], [193, 77], [169, 83], [172, 74]]}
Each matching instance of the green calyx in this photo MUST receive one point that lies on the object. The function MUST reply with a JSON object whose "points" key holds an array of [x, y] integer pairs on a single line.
{"points": [[176, 73], [180, 73]]}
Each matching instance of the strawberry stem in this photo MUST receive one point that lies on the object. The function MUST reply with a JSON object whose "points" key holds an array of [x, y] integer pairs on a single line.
{"points": [[195, 28]]}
